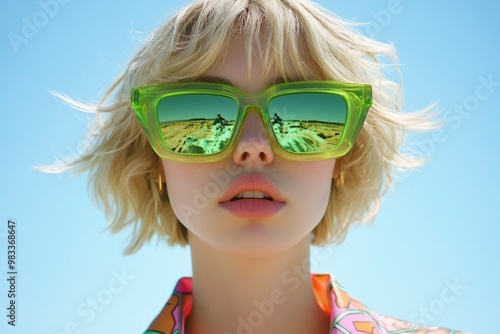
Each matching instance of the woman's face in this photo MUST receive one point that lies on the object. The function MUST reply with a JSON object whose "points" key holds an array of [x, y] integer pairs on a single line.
{"points": [[202, 194]]}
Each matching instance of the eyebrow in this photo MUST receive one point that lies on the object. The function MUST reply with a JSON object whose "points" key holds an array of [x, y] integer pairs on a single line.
{"points": [[225, 81], [214, 79]]}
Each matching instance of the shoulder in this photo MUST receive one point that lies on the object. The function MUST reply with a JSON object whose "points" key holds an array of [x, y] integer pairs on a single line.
{"points": [[349, 315], [401, 326]]}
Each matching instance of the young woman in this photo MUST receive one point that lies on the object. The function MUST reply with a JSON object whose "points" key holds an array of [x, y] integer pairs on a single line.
{"points": [[255, 129]]}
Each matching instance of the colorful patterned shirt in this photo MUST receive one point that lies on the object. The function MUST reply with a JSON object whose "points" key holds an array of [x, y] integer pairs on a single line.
{"points": [[347, 315]]}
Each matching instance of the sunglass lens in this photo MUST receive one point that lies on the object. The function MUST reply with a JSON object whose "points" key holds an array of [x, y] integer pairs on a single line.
{"points": [[198, 124], [308, 122]]}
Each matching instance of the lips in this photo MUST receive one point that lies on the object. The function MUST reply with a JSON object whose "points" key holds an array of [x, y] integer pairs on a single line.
{"points": [[252, 196]]}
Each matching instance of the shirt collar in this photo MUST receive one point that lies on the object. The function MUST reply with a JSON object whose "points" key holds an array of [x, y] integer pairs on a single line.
{"points": [[347, 315]]}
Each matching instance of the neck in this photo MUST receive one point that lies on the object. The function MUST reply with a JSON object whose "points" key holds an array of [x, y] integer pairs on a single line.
{"points": [[272, 294]]}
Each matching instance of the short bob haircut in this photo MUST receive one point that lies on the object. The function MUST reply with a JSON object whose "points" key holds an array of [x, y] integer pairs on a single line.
{"points": [[288, 34]]}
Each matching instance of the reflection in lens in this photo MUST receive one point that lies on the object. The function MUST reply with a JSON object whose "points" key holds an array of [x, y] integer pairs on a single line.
{"points": [[308, 136], [197, 136], [308, 122], [197, 123]]}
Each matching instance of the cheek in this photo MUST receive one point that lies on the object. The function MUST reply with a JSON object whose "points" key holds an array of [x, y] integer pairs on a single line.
{"points": [[191, 189], [316, 175], [314, 184], [181, 183], [327, 181]]}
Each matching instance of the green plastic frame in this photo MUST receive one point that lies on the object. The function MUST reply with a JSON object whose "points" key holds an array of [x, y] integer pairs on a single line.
{"points": [[358, 98]]}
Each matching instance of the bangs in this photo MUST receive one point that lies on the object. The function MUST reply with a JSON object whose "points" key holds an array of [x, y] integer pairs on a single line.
{"points": [[284, 35], [273, 32]]}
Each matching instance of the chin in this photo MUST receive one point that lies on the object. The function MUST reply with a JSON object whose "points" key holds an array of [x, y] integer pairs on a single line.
{"points": [[259, 244]]}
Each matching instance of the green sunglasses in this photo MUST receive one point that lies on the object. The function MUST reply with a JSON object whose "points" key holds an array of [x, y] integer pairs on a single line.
{"points": [[201, 122]]}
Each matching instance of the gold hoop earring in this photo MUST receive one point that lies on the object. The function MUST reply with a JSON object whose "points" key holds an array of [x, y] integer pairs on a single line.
{"points": [[160, 182], [338, 180], [338, 174]]}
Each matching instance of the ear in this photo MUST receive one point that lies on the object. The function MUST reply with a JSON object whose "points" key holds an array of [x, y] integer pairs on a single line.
{"points": [[161, 168], [338, 174], [337, 169]]}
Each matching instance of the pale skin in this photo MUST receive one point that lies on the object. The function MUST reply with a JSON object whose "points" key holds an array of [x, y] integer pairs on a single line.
{"points": [[239, 261]]}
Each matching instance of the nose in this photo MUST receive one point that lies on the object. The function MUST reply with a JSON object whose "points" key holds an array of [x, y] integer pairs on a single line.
{"points": [[253, 147]]}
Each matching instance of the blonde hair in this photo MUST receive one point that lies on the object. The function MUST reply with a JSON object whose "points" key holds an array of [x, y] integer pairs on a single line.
{"points": [[290, 34]]}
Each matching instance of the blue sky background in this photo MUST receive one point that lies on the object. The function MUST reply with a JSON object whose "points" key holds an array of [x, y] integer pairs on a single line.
{"points": [[438, 228]]}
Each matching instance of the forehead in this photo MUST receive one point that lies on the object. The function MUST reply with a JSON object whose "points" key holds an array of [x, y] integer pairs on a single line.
{"points": [[245, 67]]}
